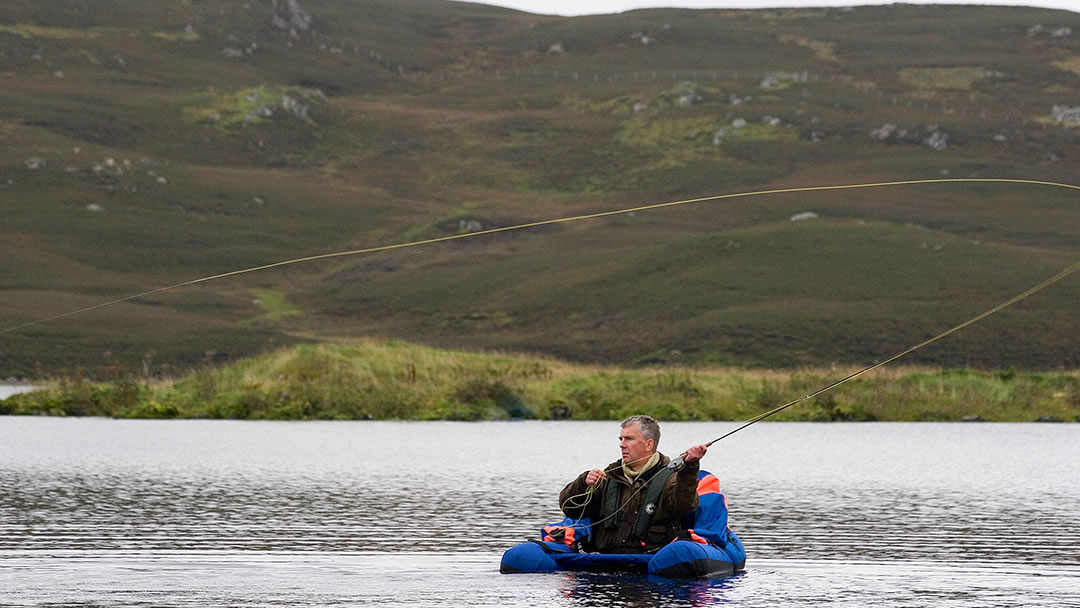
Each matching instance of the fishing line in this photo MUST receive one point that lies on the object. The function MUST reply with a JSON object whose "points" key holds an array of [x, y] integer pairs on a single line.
{"points": [[580, 501], [562, 220], [575, 501]]}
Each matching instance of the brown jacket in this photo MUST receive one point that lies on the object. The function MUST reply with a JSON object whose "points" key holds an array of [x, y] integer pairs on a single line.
{"points": [[678, 498]]}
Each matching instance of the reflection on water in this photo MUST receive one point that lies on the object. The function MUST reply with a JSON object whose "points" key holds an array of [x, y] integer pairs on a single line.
{"points": [[608, 590], [190, 513]]}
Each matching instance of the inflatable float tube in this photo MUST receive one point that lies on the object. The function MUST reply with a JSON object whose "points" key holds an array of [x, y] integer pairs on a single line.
{"points": [[678, 559], [714, 551]]}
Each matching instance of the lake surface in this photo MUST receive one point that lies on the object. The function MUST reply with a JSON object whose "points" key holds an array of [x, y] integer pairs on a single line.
{"points": [[97, 512], [7, 390]]}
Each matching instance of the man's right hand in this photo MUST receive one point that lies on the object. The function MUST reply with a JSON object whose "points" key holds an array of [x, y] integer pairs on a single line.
{"points": [[594, 476]]}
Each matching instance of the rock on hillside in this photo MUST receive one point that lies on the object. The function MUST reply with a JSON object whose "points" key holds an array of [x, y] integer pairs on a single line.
{"points": [[298, 16], [289, 13]]}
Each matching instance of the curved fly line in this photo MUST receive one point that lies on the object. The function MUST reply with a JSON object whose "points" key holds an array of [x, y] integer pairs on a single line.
{"points": [[549, 222]]}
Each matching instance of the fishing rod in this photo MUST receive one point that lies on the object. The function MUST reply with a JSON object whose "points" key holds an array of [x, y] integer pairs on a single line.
{"points": [[677, 463], [579, 501]]}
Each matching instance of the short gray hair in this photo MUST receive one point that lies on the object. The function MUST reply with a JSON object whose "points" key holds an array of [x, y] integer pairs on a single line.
{"points": [[650, 428]]}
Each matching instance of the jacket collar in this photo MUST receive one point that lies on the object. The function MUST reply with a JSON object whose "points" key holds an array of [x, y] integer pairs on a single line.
{"points": [[615, 471]]}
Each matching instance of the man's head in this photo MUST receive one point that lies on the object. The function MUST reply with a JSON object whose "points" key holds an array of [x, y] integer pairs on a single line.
{"points": [[638, 439]]}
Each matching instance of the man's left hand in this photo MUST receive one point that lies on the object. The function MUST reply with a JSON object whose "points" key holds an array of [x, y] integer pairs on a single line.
{"points": [[695, 453]]}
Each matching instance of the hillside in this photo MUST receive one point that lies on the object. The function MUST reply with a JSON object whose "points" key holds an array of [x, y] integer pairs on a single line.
{"points": [[148, 144]]}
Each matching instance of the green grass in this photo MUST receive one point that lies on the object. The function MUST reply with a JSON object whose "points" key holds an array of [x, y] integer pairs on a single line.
{"points": [[960, 78], [28, 30], [823, 50], [274, 304], [250, 106], [1071, 64], [395, 380], [184, 36]]}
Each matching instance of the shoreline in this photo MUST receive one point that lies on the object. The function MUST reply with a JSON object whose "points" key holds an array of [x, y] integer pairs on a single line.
{"points": [[392, 380]]}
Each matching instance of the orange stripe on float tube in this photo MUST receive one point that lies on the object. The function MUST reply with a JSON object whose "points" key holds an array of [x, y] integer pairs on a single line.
{"points": [[696, 538], [551, 534], [708, 484]]}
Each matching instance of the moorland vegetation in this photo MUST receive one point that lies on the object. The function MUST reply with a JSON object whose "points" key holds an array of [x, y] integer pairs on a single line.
{"points": [[149, 144]]}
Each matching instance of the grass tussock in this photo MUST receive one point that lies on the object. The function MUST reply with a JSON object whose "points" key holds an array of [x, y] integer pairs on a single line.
{"points": [[232, 109], [825, 51], [371, 379], [961, 77], [29, 31], [1069, 64]]}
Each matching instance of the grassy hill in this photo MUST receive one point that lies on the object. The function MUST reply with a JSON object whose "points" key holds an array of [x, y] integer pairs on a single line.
{"points": [[147, 144]]}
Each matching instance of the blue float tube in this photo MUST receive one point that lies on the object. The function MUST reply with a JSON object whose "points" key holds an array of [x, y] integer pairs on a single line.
{"points": [[715, 550]]}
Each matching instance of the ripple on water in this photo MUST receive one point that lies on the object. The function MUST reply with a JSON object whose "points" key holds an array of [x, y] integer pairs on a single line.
{"points": [[237, 514]]}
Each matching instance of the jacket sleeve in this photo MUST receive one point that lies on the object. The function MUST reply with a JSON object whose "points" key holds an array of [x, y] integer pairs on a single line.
{"points": [[574, 493], [683, 497]]}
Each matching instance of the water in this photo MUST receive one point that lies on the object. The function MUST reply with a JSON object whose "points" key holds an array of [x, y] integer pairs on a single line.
{"points": [[100, 512], [7, 390]]}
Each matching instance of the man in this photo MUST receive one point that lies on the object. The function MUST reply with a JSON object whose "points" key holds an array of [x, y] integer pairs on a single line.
{"points": [[638, 502]]}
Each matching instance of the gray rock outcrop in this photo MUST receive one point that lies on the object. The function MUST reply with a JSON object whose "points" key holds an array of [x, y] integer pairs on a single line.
{"points": [[289, 13], [1064, 113]]}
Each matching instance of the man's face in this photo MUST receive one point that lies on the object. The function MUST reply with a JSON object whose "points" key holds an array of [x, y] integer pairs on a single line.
{"points": [[635, 448]]}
